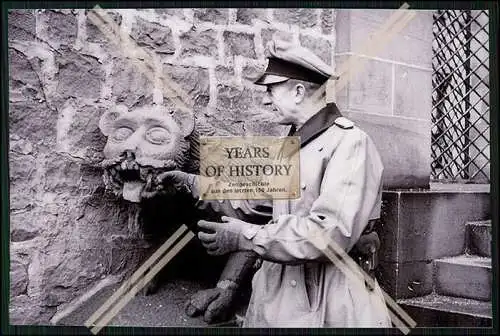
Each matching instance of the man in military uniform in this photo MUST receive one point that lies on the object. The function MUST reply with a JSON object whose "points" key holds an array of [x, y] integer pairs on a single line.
{"points": [[341, 181]]}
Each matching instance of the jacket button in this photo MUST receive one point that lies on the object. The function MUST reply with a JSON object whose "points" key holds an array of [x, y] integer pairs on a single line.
{"points": [[303, 185], [293, 283]]}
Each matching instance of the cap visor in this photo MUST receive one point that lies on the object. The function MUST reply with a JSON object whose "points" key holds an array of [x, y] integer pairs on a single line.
{"points": [[270, 79]]}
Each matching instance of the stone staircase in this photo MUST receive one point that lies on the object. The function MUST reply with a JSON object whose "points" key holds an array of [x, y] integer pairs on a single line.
{"points": [[435, 257], [461, 293]]}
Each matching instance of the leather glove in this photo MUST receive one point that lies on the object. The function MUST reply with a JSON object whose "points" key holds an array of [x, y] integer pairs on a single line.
{"points": [[225, 237], [181, 181], [214, 303], [368, 243], [367, 248]]}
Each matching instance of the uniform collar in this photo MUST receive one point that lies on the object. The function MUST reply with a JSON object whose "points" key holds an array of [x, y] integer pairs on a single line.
{"points": [[317, 124]]}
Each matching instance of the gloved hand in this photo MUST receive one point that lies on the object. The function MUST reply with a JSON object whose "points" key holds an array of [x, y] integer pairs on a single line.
{"points": [[181, 181], [367, 248], [225, 237], [214, 303], [368, 243]]}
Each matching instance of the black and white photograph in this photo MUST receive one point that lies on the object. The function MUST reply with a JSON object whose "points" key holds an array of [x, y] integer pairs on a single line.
{"points": [[108, 109]]}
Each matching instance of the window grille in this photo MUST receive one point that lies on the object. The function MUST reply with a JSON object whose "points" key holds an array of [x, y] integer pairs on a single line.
{"points": [[460, 143]]}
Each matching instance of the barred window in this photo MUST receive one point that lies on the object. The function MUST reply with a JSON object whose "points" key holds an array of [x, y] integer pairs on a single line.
{"points": [[460, 115]]}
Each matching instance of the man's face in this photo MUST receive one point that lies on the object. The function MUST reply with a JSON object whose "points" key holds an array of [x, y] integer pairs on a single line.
{"points": [[281, 97]]}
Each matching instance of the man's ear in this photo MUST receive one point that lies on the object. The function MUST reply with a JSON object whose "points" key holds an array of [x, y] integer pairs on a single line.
{"points": [[185, 119], [299, 93], [109, 117]]}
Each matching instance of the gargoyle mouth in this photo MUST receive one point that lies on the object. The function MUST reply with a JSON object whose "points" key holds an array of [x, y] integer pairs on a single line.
{"points": [[128, 178]]}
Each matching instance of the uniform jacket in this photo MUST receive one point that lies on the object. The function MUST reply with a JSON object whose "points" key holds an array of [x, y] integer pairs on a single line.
{"points": [[340, 180]]}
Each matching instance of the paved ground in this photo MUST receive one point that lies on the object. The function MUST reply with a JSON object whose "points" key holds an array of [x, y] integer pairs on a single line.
{"points": [[163, 309]]}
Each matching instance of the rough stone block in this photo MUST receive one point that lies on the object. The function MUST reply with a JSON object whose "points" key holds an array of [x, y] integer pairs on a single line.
{"points": [[302, 17], [413, 44], [403, 144], [21, 25], [79, 76], [59, 27], [194, 81], [130, 86], [94, 34], [213, 15], [478, 238], [327, 18], [23, 79], [18, 276], [426, 225], [22, 225], [248, 15], [103, 215], [224, 74], [66, 277], [153, 36], [19, 315], [21, 166], [252, 72], [84, 136], [412, 92], [61, 174], [320, 46], [369, 90], [235, 102], [464, 276], [239, 44], [170, 12], [196, 42], [269, 34], [405, 280], [34, 122]]}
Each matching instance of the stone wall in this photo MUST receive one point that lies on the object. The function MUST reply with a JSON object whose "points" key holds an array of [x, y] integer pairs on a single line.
{"points": [[392, 97], [67, 236]]}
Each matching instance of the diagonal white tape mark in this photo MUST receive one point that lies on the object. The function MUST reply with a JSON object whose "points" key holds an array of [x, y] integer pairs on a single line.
{"points": [[360, 274], [136, 276], [126, 298], [357, 278], [139, 57]]}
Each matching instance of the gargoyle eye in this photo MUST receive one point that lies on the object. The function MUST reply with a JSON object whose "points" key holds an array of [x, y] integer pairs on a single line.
{"points": [[122, 133], [158, 135]]}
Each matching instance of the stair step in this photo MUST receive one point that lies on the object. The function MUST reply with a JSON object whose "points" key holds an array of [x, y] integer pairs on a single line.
{"points": [[478, 238], [443, 311], [464, 276]]}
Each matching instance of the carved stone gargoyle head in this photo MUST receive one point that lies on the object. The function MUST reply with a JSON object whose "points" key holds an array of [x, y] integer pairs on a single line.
{"points": [[141, 143]]}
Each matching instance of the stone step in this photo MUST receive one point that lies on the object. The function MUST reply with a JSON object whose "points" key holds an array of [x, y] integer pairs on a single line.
{"points": [[463, 276], [443, 311], [478, 238], [420, 225]]}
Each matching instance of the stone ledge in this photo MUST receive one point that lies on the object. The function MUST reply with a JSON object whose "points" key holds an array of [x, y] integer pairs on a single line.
{"points": [[421, 225], [442, 311]]}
